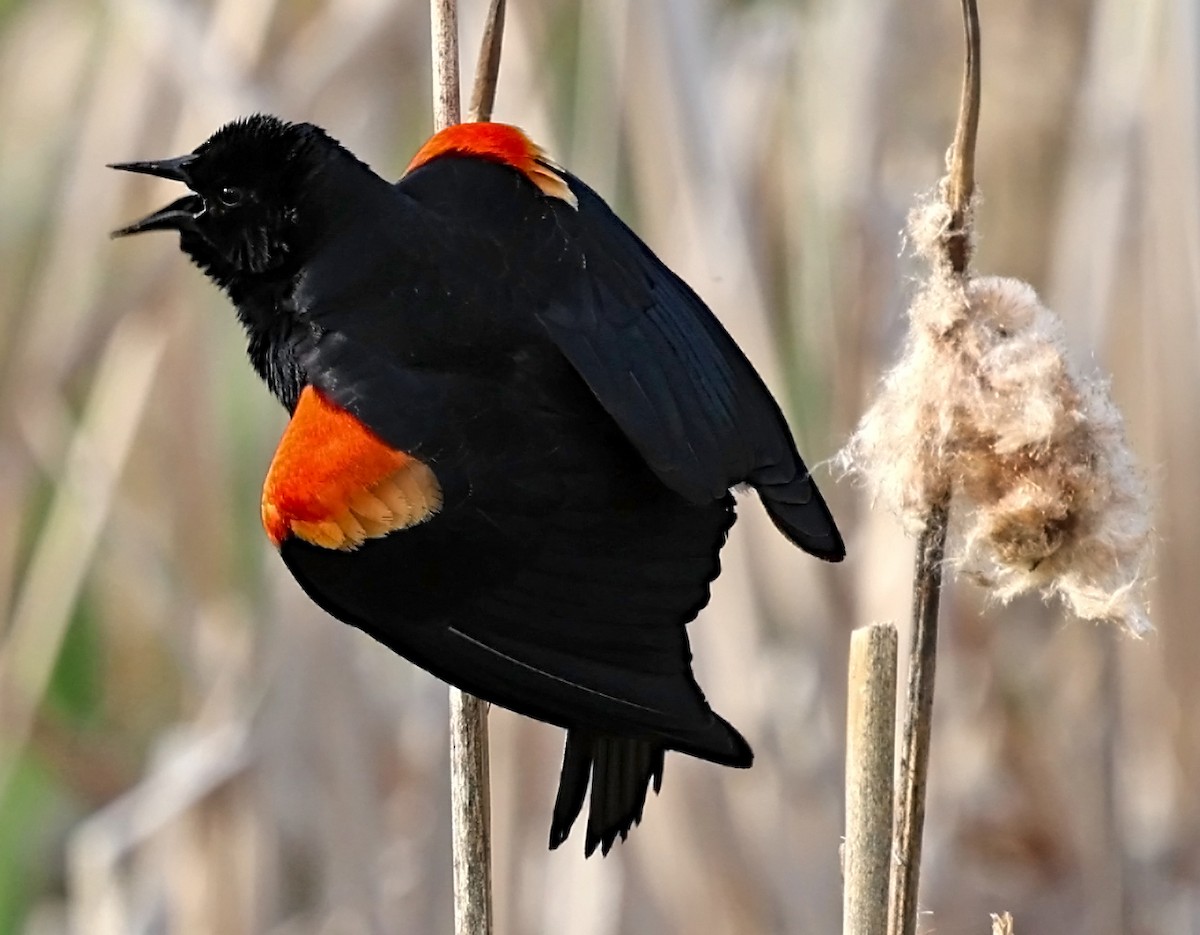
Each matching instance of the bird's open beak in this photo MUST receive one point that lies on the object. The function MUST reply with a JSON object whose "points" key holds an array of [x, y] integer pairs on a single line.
{"points": [[178, 215]]}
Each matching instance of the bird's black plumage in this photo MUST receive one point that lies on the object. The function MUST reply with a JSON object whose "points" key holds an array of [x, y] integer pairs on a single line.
{"points": [[583, 411]]}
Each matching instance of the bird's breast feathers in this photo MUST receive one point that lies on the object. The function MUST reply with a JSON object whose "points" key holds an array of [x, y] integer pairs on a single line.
{"points": [[335, 484]]}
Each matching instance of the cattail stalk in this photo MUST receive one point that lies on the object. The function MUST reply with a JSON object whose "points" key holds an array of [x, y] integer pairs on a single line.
{"points": [[909, 823], [931, 546]]}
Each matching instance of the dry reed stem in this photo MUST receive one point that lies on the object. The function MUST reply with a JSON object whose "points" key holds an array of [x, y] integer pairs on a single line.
{"points": [[469, 785], [909, 821], [870, 749], [487, 70], [447, 102], [470, 814], [909, 826], [961, 184]]}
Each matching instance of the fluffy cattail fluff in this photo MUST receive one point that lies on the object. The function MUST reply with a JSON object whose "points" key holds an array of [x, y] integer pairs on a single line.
{"points": [[984, 402]]}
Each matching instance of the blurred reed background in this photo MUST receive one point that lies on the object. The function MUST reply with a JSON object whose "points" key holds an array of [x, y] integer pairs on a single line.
{"points": [[187, 746]]}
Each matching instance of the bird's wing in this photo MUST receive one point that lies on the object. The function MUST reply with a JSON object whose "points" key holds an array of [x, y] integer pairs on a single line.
{"points": [[651, 351], [495, 258], [661, 364]]}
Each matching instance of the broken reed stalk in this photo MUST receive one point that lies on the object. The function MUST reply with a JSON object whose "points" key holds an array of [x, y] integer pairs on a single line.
{"points": [[470, 790], [870, 761], [487, 71], [927, 581]]}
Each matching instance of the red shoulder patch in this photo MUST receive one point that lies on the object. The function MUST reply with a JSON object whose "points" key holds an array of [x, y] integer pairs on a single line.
{"points": [[335, 483], [498, 142]]}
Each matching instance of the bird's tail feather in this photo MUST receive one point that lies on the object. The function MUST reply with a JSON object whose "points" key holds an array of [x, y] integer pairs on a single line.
{"points": [[621, 770]]}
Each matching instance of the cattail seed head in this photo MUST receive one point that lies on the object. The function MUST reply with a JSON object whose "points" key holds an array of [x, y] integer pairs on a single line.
{"points": [[986, 403]]}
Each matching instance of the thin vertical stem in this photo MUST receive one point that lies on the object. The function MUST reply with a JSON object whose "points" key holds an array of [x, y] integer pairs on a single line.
{"points": [[487, 70], [870, 761], [918, 724], [469, 782], [471, 819], [1113, 903], [447, 106], [931, 547], [962, 157]]}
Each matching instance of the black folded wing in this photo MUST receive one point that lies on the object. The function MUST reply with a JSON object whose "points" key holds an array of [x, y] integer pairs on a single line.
{"points": [[505, 264], [666, 370]]}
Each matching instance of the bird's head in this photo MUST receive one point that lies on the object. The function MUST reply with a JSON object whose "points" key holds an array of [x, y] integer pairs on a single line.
{"points": [[248, 183]]}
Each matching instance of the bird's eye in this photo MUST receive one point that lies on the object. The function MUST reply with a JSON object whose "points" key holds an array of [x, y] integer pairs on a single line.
{"points": [[231, 197]]}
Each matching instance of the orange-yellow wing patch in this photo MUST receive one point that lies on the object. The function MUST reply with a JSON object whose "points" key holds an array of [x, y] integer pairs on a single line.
{"points": [[498, 142], [334, 483]]}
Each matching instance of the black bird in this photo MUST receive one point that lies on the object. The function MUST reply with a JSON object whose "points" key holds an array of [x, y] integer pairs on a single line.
{"points": [[514, 431]]}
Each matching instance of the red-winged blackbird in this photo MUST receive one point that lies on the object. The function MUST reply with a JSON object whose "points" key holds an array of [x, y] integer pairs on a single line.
{"points": [[514, 431]]}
